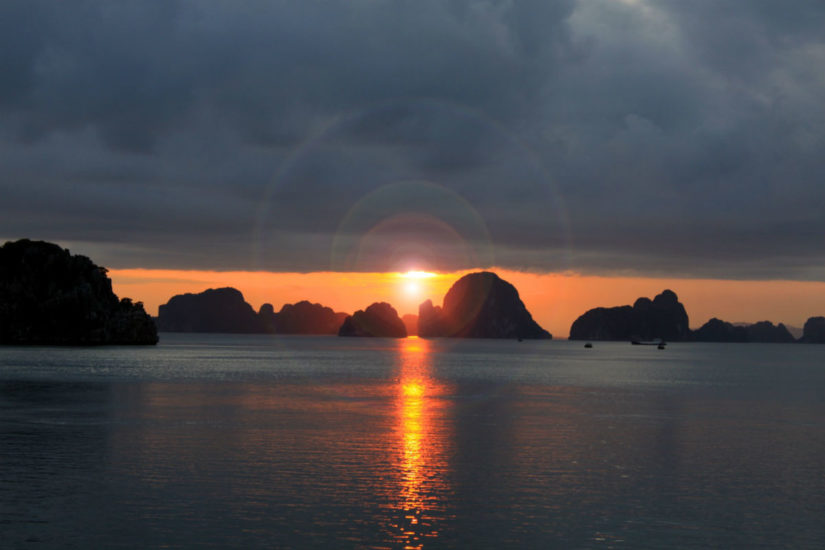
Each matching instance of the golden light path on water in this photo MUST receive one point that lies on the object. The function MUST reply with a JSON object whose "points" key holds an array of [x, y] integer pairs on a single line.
{"points": [[421, 442]]}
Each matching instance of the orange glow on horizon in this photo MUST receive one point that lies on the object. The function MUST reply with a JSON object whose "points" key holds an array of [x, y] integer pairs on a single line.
{"points": [[555, 300]]}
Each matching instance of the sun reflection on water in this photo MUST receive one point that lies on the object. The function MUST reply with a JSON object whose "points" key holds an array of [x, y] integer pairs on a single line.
{"points": [[422, 445]]}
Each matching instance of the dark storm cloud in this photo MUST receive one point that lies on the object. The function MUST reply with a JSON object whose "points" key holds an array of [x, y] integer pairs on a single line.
{"points": [[677, 138]]}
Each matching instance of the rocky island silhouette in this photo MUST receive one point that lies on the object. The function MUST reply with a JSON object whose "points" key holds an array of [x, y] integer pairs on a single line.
{"points": [[50, 297], [814, 331], [479, 305], [378, 320], [717, 330], [302, 317], [225, 310], [663, 317]]}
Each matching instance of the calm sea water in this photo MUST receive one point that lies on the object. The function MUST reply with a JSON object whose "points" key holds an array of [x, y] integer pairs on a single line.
{"points": [[302, 442]]}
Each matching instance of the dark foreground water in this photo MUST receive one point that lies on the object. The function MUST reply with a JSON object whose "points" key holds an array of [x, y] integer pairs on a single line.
{"points": [[275, 442]]}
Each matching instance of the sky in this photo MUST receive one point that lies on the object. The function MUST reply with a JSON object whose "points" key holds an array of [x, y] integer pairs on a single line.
{"points": [[595, 140]]}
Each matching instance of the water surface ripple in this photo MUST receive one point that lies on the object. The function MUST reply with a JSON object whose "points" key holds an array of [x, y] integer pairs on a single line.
{"points": [[302, 442]]}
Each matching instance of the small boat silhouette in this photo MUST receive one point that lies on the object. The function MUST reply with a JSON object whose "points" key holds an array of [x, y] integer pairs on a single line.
{"points": [[658, 342]]}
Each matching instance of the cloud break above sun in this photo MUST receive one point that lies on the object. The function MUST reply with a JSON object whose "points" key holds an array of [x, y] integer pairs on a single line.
{"points": [[417, 275]]}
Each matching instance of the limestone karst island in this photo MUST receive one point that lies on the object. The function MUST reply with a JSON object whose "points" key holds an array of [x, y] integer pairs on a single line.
{"points": [[50, 297]]}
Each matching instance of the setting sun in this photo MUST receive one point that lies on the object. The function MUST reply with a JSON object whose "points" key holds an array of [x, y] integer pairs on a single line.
{"points": [[412, 289], [415, 286], [485, 273]]}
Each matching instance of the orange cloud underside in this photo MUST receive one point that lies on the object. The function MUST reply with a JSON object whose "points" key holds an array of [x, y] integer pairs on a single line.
{"points": [[555, 300]]}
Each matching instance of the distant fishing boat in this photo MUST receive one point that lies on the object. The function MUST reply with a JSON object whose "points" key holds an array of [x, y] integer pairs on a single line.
{"points": [[658, 342]]}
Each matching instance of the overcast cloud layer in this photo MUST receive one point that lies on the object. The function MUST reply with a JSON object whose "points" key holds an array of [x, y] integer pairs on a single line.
{"points": [[601, 136]]}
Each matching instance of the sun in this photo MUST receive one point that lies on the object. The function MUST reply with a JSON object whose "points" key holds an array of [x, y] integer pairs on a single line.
{"points": [[412, 289], [414, 284]]}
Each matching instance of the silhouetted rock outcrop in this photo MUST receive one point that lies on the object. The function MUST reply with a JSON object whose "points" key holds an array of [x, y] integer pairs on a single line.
{"points": [[49, 296], [717, 330], [430, 320], [814, 331], [479, 305], [663, 317], [213, 310], [307, 318], [224, 310], [267, 317], [765, 331], [379, 319]]}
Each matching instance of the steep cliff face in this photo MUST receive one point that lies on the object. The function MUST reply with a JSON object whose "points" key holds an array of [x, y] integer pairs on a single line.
{"points": [[814, 331], [49, 296], [479, 305], [379, 319], [213, 310], [663, 317]]}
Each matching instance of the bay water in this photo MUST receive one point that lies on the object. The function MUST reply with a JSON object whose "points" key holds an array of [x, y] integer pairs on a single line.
{"points": [[254, 441]]}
